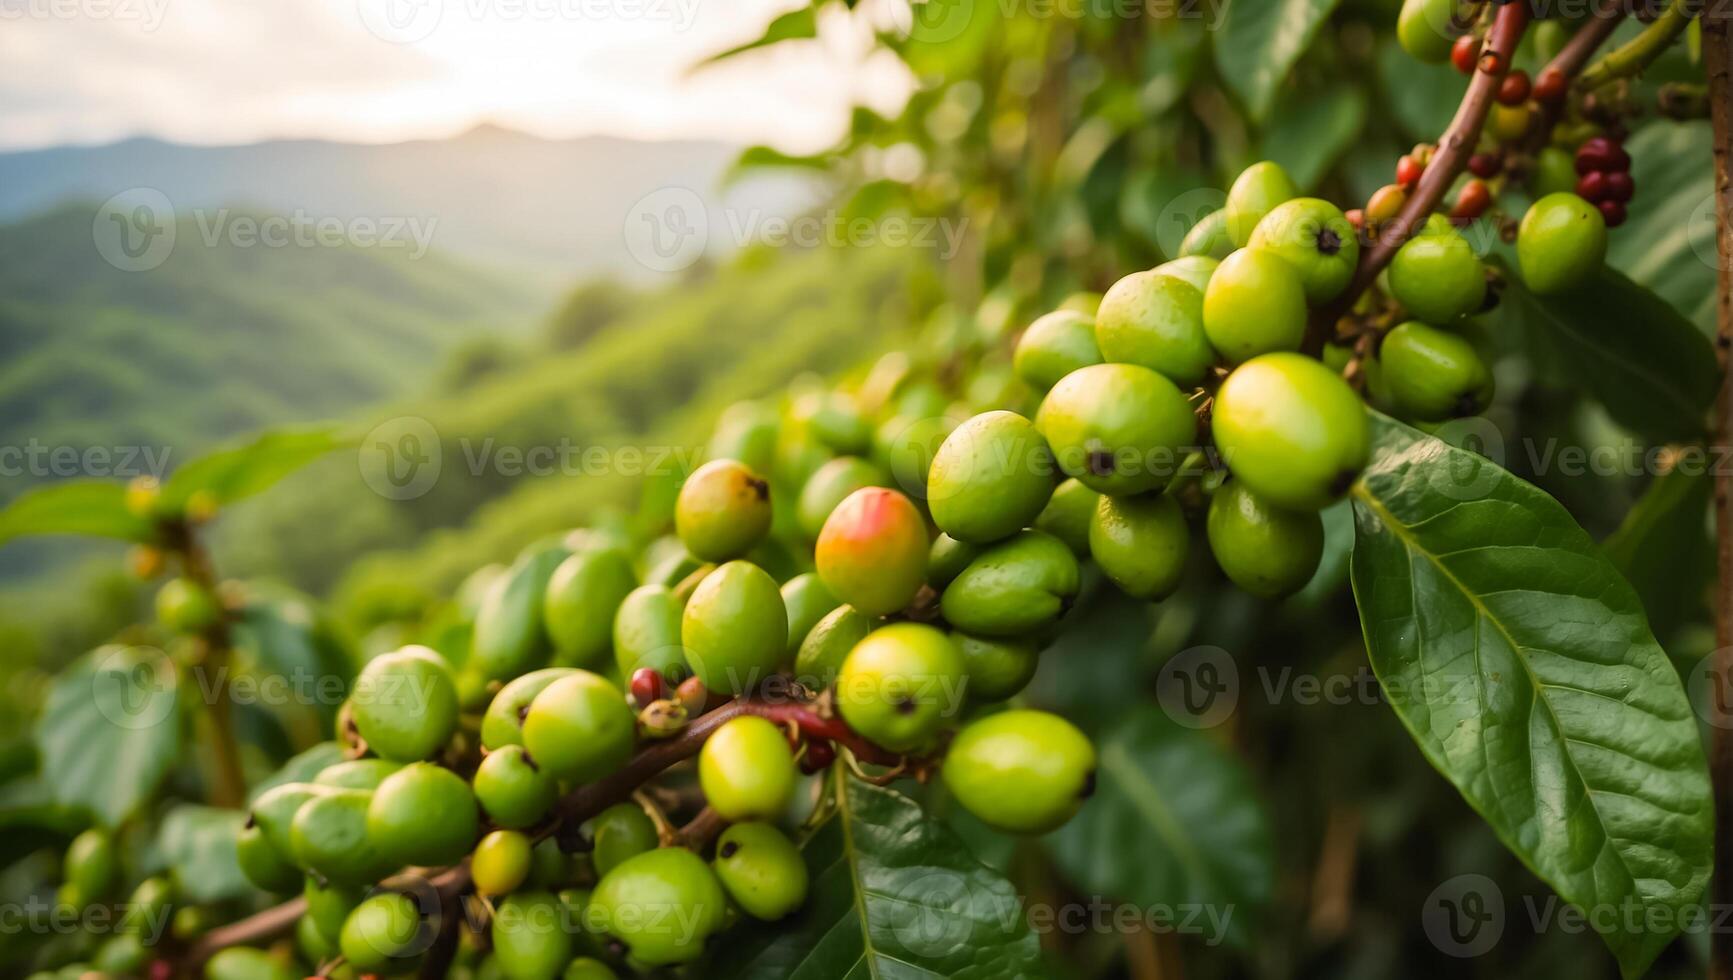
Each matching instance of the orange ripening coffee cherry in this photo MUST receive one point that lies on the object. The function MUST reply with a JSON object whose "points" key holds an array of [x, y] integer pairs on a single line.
{"points": [[1472, 202], [1550, 86], [872, 553], [1464, 53]]}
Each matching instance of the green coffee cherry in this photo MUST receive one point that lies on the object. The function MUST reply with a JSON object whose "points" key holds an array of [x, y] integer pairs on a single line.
{"points": [[1561, 242], [1194, 269], [329, 905], [1425, 29], [405, 704], [356, 773], [588, 968], [745, 431], [947, 558], [313, 945], [121, 955], [329, 837], [897, 686], [807, 602], [262, 864], [1255, 304], [635, 901], [723, 510], [1265, 550], [1209, 237], [619, 832], [828, 487], [647, 633], [825, 647], [583, 594], [500, 862], [530, 941], [1316, 240], [1255, 193], [734, 628], [148, 905], [1156, 321], [1015, 587], [383, 934], [761, 870], [510, 635], [243, 963], [990, 478], [502, 724], [91, 865], [872, 553], [1554, 172], [906, 446], [1140, 543], [184, 606], [579, 728], [997, 667], [1433, 374], [1067, 516], [423, 815], [1021, 772], [840, 424], [1053, 346], [1436, 276], [514, 791], [1120, 428], [550, 867], [747, 769], [1292, 430]]}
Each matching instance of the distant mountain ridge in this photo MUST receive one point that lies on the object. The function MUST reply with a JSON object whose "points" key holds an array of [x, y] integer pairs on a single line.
{"points": [[552, 211]]}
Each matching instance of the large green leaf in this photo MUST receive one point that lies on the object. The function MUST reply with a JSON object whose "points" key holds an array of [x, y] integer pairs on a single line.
{"points": [[1668, 244], [1664, 548], [1259, 41], [1628, 349], [93, 507], [894, 894], [110, 731], [300, 769], [1422, 97], [1175, 824], [199, 845], [1521, 663], [294, 660], [1311, 131], [228, 475]]}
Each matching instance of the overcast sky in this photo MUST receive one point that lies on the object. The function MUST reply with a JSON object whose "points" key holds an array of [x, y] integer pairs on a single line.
{"points": [[228, 71]]}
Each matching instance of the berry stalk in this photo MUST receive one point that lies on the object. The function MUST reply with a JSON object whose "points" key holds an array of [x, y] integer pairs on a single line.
{"points": [[1633, 56], [1718, 69]]}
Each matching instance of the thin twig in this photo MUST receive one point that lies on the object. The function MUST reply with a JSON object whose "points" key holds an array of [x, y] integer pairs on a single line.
{"points": [[1629, 59], [1454, 148]]}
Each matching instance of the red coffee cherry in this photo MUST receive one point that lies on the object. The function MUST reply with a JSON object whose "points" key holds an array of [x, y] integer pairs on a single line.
{"points": [[1592, 186], [1599, 153], [1408, 171], [1485, 165], [1550, 86], [1613, 212], [647, 685], [1515, 88], [820, 753], [1464, 53], [1619, 186], [1472, 201]]}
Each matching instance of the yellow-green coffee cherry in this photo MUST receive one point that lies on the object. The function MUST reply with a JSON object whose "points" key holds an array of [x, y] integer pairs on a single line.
{"points": [[1292, 430], [405, 704], [1265, 550], [807, 601], [991, 477], [1067, 515], [761, 870], [734, 628], [1561, 242], [1257, 190], [1432, 374], [1315, 238], [423, 815], [1053, 346], [1015, 587], [647, 633], [747, 769], [579, 728], [897, 686], [500, 862], [583, 594], [830, 485], [828, 644], [513, 789], [502, 723], [1436, 276], [1021, 772], [1119, 428], [1140, 543], [1255, 304], [998, 667], [635, 902], [1156, 321], [619, 832], [723, 510]]}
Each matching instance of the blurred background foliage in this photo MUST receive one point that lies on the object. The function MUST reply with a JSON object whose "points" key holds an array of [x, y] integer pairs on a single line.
{"points": [[1072, 144]]}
